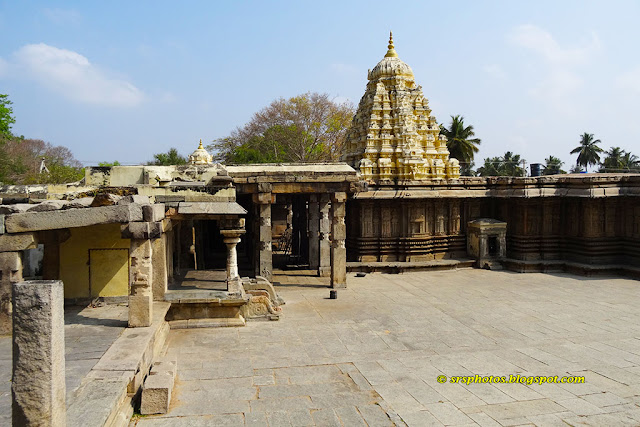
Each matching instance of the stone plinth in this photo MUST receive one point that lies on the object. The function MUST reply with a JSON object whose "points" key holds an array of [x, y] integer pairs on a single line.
{"points": [[38, 382]]}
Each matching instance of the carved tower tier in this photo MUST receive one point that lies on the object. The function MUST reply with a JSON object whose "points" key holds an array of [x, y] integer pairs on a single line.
{"points": [[393, 136]]}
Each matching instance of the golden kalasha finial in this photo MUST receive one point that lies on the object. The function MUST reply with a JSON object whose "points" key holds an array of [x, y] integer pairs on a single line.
{"points": [[391, 53], [200, 147]]}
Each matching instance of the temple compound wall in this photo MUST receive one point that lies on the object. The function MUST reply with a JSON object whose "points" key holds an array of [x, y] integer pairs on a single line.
{"points": [[580, 222]]}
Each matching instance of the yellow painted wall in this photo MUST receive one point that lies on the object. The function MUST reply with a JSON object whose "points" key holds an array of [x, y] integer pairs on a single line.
{"points": [[110, 269]]}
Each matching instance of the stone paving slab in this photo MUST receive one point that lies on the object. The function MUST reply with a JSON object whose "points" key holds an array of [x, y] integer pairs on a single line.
{"points": [[373, 356]]}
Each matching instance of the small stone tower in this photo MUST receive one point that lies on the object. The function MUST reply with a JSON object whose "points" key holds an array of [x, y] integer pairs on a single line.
{"points": [[393, 136], [200, 157]]}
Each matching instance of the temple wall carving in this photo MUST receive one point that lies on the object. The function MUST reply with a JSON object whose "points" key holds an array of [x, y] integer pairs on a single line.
{"points": [[579, 230]]}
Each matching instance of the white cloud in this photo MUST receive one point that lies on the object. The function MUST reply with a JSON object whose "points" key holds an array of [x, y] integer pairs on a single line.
{"points": [[628, 81], [560, 79], [62, 16], [73, 76], [542, 42]]}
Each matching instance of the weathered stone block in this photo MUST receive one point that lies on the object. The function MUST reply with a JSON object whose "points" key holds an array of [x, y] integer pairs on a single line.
{"points": [[17, 242], [10, 272], [16, 208], [134, 198], [38, 383], [140, 311], [105, 199], [153, 213], [142, 230], [156, 394], [165, 367], [1, 223], [83, 202], [35, 221], [49, 205]]}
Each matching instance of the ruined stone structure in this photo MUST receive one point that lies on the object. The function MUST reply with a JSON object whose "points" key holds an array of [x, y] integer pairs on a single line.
{"points": [[393, 137]]}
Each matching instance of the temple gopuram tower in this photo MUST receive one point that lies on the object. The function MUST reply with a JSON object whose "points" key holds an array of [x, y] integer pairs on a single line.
{"points": [[393, 136]]}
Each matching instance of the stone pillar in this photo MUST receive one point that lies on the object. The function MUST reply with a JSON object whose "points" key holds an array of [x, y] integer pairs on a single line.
{"points": [[140, 282], [159, 258], [338, 236], [324, 268], [232, 255], [10, 273], [231, 230], [38, 384], [314, 229], [264, 262]]}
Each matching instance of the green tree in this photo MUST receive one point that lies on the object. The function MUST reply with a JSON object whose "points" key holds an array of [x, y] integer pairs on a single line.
{"points": [[630, 162], [576, 169], [171, 157], [507, 165], [305, 128], [512, 164], [6, 118], [109, 164], [24, 157], [460, 142], [553, 166], [588, 151], [613, 161]]}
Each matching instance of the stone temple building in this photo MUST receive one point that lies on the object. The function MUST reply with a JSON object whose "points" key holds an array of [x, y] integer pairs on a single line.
{"points": [[394, 138], [203, 238]]}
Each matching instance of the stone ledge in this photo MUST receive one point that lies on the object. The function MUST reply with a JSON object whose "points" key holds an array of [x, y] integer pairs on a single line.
{"points": [[549, 266], [207, 323], [398, 267], [105, 397]]}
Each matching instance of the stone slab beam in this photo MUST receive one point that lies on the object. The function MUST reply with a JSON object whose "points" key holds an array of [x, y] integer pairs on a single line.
{"points": [[53, 220], [17, 242], [38, 382]]}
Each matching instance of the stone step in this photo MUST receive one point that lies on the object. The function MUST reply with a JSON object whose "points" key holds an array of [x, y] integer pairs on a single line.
{"points": [[406, 266], [157, 388], [222, 322]]}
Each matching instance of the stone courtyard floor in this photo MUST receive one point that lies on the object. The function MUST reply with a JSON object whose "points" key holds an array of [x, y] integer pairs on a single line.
{"points": [[374, 355]]}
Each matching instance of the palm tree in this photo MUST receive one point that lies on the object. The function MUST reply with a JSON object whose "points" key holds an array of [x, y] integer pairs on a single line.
{"points": [[613, 161], [553, 166], [630, 162], [460, 142], [512, 164], [588, 150]]}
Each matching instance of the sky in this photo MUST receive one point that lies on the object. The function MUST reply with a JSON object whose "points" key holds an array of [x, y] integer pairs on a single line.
{"points": [[122, 80]]}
